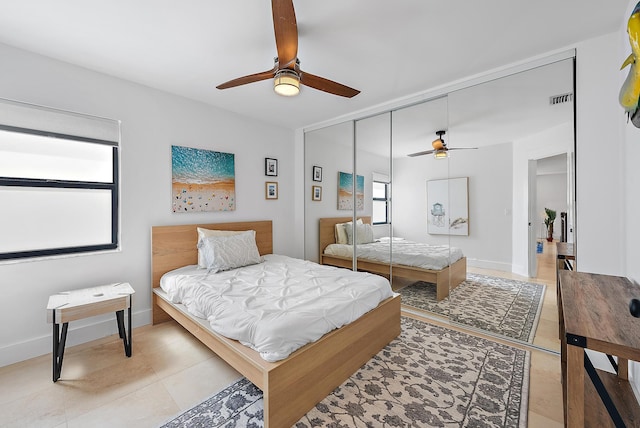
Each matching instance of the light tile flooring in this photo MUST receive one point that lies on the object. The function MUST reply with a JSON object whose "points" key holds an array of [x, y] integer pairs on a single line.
{"points": [[170, 371]]}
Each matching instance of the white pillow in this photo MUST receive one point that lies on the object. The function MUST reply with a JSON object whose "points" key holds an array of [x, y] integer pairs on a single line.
{"points": [[204, 233], [230, 252], [341, 231], [364, 234]]}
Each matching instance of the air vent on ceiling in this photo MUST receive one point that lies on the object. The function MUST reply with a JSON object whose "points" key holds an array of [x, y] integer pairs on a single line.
{"points": [[562, 98]]}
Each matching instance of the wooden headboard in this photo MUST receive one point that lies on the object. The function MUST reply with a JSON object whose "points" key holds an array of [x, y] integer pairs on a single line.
{"points": [[175, 246], [327, 230]]}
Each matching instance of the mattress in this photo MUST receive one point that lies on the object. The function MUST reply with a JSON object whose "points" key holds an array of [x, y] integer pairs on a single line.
{"points": [[405, 252], [277, 306]]}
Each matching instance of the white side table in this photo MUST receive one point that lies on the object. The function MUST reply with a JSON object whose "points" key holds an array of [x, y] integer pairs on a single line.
{"points": [[87, 302]]}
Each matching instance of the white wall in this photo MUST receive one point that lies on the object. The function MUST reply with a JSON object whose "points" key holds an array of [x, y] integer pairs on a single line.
{"points": [[629, 136], [600, 246], [151, 122], [490, 198], [409, 196]]}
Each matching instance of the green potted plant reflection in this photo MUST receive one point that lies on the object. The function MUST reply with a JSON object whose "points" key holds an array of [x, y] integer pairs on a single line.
{"points": [[551, 216]]}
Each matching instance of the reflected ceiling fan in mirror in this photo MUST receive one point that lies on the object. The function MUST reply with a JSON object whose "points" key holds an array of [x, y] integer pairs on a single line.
{"points": [[440, 149], [286, 73]]}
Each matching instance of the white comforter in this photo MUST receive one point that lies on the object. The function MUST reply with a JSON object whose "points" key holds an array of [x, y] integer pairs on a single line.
{"points": [[409, 253], [277, 306]]}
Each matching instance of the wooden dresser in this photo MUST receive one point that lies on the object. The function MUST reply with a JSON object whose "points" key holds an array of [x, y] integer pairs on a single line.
{"points": [[595, 315]]}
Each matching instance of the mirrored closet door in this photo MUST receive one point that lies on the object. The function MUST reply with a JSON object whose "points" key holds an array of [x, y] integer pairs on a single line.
{"points": [[418, 230], [520, 129], [347, 202], [481, 205], [373, 194], [329, 156]]}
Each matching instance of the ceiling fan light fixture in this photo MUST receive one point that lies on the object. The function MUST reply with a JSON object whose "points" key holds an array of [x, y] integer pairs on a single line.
{"points": [[286, 83], [440, 154]]}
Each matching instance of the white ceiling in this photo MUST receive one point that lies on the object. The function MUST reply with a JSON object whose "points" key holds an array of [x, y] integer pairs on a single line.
{"points": [[498, 111], [386, 49]]}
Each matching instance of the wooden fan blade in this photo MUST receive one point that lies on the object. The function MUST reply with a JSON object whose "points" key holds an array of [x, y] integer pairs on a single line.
{"points": [[286, 31], [462, 148], [263, 75], [428, 152], [326, 85]]}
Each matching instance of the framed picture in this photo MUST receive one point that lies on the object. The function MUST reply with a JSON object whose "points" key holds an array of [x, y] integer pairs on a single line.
{"points": [[316, 193], [317, 173], [271, 190], [448, 206], [271, 167], [345, 191], [202, 180]]}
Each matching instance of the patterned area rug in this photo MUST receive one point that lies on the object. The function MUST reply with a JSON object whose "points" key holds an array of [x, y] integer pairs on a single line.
{"points": [[502, 306], [428, 376]]}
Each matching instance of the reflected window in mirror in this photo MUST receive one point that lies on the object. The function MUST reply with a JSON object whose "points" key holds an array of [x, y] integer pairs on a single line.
{"points": [[380, 214]]}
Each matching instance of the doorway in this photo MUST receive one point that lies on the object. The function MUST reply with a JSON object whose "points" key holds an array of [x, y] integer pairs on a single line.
{"points": [[548, 189]]}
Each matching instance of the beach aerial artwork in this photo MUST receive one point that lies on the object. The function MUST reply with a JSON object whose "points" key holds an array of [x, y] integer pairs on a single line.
{"points": [[345, 191], [202, 180]]}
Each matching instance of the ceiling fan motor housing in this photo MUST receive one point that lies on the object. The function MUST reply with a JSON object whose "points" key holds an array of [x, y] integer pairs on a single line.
{"points": [[439, 144]]}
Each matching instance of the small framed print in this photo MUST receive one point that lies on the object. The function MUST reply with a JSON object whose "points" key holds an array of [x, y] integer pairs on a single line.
{"points": [[316, 193], [271, 190], [317, 173], [271, 167]]}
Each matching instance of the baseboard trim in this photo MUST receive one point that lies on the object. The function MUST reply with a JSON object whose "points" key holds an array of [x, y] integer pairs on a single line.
{"points": [[31, 348], [488, 264]]}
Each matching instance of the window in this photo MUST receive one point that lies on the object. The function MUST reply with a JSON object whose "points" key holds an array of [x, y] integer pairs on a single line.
{"points": [[59, 191], [380, 202]]}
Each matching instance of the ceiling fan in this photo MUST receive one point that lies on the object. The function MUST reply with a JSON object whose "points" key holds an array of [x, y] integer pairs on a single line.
{"points": [[440, 148], [286, 71]]}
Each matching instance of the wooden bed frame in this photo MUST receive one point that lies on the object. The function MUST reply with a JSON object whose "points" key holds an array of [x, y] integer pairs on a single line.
{"points": [[445, 279], [291, 387]]}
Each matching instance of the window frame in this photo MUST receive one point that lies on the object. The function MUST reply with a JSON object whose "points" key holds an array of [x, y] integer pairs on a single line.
{"points": [[385, 200], [113, 187]]}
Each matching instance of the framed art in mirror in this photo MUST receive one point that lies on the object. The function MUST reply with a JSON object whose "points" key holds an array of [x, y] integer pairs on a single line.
{"points": [[271, 167], [345, 191], [271, 190], [448, 206], [316, 193], [317, 173]]}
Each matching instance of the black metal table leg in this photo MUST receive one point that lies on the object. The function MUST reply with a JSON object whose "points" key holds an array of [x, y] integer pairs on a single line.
{"points": [[58, 347], [122, 331], [602, 392], [130, 329]]}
